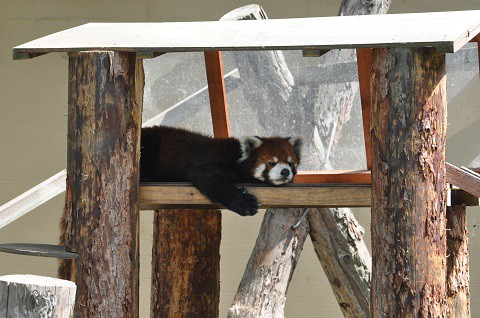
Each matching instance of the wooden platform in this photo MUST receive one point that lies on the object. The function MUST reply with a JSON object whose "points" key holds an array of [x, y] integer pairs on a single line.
{"points": [[446, 31], [184, 195]]}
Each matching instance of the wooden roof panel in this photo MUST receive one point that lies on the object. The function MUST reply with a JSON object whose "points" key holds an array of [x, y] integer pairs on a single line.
{"points": [[447, 31]]}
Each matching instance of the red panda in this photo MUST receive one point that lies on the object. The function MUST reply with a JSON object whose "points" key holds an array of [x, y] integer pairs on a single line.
{"points": [[212, 165], [215, 165]]}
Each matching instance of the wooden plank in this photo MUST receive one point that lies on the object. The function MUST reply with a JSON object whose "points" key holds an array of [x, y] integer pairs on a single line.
{"points": [[163, 196], [32, 198], [364, 62], [184, 195], [446, 31], [334, 176], [217, 93], [463, 179]]}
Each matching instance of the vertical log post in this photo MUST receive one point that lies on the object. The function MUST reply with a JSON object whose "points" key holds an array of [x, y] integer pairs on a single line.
{"points": [[186, 243], [36, 296], [458, 277], [186, 263], [408, 183], [104, 120]]}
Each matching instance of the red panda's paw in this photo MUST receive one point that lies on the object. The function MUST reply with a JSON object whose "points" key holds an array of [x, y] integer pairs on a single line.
{"points": [[244, 204]]}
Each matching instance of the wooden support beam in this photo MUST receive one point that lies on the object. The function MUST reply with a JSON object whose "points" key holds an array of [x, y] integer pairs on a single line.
{"points": [[101, 216], [458, 276], [408, 183], [364, 63], [217, 93]]}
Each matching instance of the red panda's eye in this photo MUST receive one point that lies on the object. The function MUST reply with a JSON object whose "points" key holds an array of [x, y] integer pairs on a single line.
{"points": [[271, 163], [290, 164]]}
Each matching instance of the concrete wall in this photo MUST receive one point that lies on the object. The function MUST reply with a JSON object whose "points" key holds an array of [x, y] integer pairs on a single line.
{"points": [[33, 131]]}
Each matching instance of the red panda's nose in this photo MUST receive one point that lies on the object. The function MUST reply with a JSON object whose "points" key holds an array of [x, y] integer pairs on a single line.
{"points": [[285, 172]]}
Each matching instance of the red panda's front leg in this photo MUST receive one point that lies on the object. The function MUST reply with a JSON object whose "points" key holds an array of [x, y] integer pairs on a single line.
{"points": [[218, 188]]}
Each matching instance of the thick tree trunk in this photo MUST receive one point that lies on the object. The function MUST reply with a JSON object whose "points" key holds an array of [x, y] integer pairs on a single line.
{"points": [[33, 296], [104, 121], [338, 241], [458, 277], [408, 183], [262, 290], [186, 264]]}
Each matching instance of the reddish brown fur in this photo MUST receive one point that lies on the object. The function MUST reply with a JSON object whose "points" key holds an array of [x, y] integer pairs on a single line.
{"points": [[275, 147]]}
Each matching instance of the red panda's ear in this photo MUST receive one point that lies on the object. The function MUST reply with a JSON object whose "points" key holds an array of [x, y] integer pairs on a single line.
{"points": [[297, 143], [247, 144]]}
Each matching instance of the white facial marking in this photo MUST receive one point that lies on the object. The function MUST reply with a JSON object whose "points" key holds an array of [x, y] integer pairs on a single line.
{"points": [[275, 174], [289, 159], [247, 144], [259, 172], [275, 159]]}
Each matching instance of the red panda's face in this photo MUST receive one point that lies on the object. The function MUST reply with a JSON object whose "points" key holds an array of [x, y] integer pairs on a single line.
{"points": [[273, 160]]}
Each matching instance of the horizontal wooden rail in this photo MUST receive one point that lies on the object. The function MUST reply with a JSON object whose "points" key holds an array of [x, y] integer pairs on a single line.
{"points": [[184, 195], [155, 196], [334, 176]]}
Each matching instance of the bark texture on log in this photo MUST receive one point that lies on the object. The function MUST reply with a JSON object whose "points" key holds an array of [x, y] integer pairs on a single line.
{"points": [[408, 183], [458, 276], [263, 287], [101, 221], [186, 263], [33, 296], [338, 241]]}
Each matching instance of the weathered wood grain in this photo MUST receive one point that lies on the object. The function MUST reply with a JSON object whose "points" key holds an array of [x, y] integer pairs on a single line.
{"points": [[101, 215], [186, 264], [36, 297], [446, 31], [408, 183], [162, 196], [458, 276]]}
